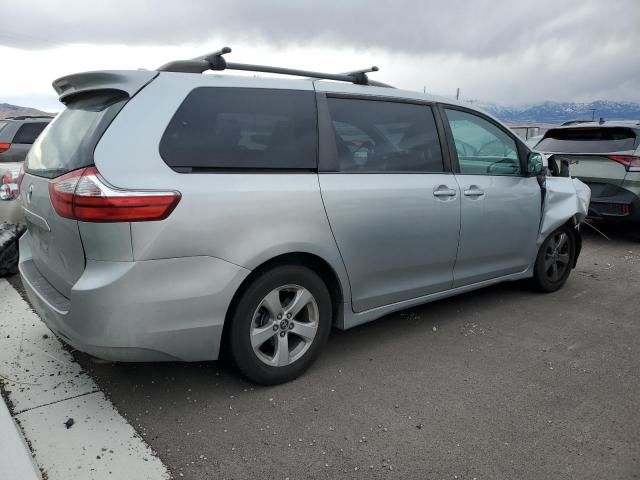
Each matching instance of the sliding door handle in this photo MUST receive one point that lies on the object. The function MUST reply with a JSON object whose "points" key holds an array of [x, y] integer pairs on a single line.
{"points": [[443, 191], [473, 192]]}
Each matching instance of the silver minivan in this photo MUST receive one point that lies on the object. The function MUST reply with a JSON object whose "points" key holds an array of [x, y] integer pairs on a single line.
{"points": [[170, 212]]}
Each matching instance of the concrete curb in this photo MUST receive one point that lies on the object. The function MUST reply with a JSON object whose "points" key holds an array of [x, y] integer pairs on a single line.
{"points": [[73, 430], [16, 460]]}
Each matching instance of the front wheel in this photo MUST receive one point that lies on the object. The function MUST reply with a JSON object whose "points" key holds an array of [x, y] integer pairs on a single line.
{"points": [[280, 324], [555, 260]]}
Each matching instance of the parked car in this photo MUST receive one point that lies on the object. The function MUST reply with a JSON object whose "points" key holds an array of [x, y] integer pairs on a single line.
{"points": [[604, 155], [17, 134], [169, 211]]}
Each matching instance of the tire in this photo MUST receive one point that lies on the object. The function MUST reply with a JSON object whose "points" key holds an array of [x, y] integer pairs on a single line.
{"points": [[258, 336], [555, 260], [9, 255]]}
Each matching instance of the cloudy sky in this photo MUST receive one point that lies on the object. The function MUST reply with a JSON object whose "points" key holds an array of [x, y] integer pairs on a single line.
{"points": [[511, 51]]}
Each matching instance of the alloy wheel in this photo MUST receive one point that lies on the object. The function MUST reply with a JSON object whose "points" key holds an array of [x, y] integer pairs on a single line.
{"points": [[284, 325], [557, 256]]}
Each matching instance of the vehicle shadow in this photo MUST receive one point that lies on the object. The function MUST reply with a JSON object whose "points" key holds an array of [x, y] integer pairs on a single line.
{"points": [[221, 379]]}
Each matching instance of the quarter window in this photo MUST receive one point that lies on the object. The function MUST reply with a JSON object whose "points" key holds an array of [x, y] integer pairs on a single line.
{"points": [[231, 128], [482, 147], [383, 136]]}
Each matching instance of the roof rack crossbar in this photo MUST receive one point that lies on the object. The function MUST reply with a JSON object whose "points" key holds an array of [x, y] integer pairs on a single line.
{"points": [[216, 61]]}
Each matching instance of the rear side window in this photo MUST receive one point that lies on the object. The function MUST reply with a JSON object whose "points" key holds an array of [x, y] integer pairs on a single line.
{"points": [[242, 128], [70, 139], [383, 136], [588, 140], [28, 132]]}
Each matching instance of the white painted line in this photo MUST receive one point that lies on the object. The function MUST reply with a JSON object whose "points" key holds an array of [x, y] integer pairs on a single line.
{"points": [[16, 461], [47, 387]]}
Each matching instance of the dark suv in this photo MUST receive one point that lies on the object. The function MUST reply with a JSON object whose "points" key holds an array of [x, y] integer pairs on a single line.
{"points": [[17, 134]]}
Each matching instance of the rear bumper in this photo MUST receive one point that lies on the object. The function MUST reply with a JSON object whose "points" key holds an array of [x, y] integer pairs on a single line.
{"points": [[154, 310], [623, 206]]}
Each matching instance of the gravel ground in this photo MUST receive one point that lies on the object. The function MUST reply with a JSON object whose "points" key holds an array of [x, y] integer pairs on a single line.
{"points": [[498, 383]]}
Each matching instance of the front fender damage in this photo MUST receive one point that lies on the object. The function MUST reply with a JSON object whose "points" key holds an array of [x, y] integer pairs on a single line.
{"points": [[565, 199]]}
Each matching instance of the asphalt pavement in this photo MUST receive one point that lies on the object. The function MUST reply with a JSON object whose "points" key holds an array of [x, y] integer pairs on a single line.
{"points": [[501, 383]]}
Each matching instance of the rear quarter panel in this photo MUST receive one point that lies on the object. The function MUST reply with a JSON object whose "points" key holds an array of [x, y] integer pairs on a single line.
{"points": [[244, 218]]}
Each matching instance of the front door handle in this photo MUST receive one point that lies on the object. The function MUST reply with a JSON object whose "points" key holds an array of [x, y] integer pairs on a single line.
{"points": [[473, 191], [444, 191]]}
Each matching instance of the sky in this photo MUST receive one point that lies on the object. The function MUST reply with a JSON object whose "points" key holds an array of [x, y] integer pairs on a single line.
{"points": [[504, 51]]}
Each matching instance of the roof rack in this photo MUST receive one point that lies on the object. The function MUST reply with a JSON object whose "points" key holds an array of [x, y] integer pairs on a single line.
{"points": [[216, 61]]}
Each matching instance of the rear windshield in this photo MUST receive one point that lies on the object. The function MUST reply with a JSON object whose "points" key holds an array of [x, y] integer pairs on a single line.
{"points": [[2, 124], [242, 128], [69, 141], [588, 140], [28, 132]]}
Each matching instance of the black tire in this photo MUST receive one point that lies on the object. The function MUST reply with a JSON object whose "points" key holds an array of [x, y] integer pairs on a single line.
{"points": [[9, 255], [251, 304], [555, 260]]}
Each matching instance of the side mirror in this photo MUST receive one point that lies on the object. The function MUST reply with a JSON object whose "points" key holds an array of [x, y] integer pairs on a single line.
{"points": [[535, 163]]}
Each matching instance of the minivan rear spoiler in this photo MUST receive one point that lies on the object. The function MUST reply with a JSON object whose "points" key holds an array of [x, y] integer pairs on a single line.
{"points": [[129, 81]]}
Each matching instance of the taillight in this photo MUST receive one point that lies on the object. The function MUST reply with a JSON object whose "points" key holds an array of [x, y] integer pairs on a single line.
{"points": [[84, 195], [4, 147], [629, 161]]}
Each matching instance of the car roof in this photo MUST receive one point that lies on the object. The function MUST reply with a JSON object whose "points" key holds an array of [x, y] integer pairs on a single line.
{"points": [[133, 80], [606, 124], [27, 118]]}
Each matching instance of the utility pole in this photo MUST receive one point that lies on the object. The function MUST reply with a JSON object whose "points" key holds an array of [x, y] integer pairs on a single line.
{"points": [[458, 93], [593, 114]]}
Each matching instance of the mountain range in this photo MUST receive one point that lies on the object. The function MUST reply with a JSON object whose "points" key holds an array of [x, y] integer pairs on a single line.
{"points": [[558, 112], [8, 110]]}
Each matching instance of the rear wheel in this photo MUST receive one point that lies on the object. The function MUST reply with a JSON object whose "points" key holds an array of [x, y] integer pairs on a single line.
{"points": [[280, 324], [555, 260]]}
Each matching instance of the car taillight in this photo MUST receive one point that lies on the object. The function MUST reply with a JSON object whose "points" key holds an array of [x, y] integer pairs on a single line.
{"points": [[629, 161], [4, 147], [84, 195]]}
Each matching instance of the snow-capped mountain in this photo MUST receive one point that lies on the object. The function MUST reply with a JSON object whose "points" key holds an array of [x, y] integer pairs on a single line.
{"points": [[557, 112]]}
